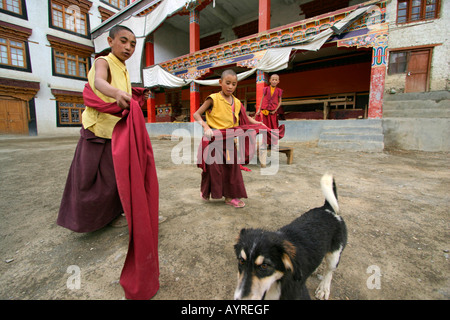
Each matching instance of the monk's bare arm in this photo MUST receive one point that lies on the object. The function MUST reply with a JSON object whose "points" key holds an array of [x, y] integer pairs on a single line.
{"points": [[198, 116], [101, 84]]}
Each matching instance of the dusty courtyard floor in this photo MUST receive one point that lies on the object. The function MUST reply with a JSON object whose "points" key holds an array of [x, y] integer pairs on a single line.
{"points": [[395, 204]]}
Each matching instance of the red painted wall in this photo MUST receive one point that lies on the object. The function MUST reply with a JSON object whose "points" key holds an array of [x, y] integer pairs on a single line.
{"points": [[330, 80], [339, 79]]}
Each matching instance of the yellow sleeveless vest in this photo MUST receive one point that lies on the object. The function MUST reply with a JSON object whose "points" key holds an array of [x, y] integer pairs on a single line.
{"points": [[102, 124], [220, 116]]}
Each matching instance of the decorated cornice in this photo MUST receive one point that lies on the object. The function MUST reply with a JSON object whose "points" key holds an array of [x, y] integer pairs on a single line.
{"points": [[247, 51], [19, 89], [13, 31], [69, 46], [84, 5]]}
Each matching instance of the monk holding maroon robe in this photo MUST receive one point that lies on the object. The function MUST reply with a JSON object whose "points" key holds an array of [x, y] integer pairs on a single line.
{"points": [[222, 177], [113, 169]]}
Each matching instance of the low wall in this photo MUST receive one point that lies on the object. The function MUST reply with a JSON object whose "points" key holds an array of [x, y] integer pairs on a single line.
{"points": [[421, 134]]}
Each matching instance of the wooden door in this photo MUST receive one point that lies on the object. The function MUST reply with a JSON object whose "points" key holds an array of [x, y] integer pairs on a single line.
{"points": [[13, 116], [417, 73]]}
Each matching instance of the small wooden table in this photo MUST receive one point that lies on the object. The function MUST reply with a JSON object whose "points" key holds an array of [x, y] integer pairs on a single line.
{"points": [[289, 152]]}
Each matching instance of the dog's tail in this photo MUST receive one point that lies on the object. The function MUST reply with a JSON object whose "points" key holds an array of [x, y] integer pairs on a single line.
{"points": [[329, 191]]}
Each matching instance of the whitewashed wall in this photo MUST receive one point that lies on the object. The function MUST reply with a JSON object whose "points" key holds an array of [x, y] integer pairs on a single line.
{"points": [[41, 63], [430, 32]]}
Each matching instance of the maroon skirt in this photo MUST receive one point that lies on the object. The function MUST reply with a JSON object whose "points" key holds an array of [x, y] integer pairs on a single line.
{"points": [[223, 179], [90, 200]]}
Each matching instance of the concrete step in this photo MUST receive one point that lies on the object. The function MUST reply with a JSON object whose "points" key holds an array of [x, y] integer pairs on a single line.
{"points": [[330, 136], [353, 130], [414, 96], [367, 146], [416, 113], [356, 135], [417, 105]]}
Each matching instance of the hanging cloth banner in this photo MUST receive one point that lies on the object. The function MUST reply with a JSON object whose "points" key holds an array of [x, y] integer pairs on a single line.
{"points": [[272, 61]]}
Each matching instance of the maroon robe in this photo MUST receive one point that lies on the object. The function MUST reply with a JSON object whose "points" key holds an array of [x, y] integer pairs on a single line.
{"points": [[90, 200], [221, 161], [137, 187], [270, 103]]}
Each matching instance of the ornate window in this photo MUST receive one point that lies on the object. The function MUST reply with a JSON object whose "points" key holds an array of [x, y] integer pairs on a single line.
{"points": [[69, 107], [70, 113]]}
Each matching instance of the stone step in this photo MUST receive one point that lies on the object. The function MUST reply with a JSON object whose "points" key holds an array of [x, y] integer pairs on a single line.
{"points": [[417, 105], [368, 146], [415, 96], [356, 135], [353, 130], [416, 113], [330, 136]]}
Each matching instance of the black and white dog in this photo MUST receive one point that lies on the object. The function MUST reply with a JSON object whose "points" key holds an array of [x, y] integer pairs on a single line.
{"points": [[275, 265]]}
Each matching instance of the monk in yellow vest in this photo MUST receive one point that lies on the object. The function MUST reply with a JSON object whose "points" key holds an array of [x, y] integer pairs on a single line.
{"points": [[223, 111], [91, 200]]}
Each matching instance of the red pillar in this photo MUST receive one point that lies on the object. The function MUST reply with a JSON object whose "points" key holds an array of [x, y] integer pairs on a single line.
{"points": [[194, 45], [264, 15], [149, 61], [377, 79], [194, 98], [263, 25], [194, 31], [261, 81]]}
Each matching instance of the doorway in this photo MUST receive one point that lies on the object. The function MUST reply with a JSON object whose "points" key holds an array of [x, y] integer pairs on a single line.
{"points": [[417, 72], [13, 116]]}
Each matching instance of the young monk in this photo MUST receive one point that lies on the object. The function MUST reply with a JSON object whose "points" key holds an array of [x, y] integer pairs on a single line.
{"points": [[223, 111], [112, 150], [91, 200], [270, 105]]}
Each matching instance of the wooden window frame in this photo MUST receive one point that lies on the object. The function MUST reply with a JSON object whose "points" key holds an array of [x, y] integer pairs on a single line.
{"points": [[119, 7], [62, 48], [422, 11], [11, 45], [391, 69], [18, 34], [69, 101], [72, 9], [69, 59], [22, 9], [73, 106]]}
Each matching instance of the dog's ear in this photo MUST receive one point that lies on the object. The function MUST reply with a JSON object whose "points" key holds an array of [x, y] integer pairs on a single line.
{"points": [[241, 234], [289, 261], [237, 246]]}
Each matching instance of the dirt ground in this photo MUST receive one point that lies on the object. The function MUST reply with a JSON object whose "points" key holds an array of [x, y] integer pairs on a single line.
{"points": [[395, 204]]}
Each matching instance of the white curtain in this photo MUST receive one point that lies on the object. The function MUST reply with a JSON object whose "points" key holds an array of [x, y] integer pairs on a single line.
{"points": [[272, 61]]}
